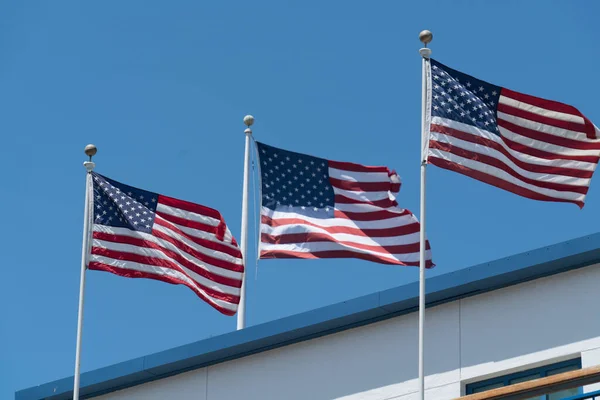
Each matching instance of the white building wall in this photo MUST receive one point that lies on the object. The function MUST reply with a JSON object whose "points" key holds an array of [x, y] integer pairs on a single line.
{"points": [[520, 327]]}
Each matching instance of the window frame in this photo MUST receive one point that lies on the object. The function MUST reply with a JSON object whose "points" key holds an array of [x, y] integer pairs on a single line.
{"points": [[505, 379]]}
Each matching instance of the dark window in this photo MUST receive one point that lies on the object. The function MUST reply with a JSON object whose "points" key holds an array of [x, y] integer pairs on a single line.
{"points": [[528, 375]]}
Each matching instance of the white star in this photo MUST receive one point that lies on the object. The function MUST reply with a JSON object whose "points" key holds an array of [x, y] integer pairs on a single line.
{"points": [[154, 200], [494, 93], [468, 84]]}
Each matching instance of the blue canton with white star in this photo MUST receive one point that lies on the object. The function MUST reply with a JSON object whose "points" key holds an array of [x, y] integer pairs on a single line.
{"points": [[123, 206], [294, 180], [462, 98]]}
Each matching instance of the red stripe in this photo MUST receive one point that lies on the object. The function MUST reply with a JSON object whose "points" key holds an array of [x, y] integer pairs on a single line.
{"points": [[159, 262], [407, 229], [521, 149], [237, 283], [369, 216], [365, 186], [383, 203], [348, 166], [492, 180], [559, 123], [191, 207], [483, 158], [218, 230], [338, 254], [94, 265], [313, 237], [201, 256], [590, 130], [547, 138], [209, 244]]}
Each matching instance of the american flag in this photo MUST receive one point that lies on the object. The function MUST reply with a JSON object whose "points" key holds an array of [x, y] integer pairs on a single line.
{"points": [[537, 148], [317, 208], [140, 234]]}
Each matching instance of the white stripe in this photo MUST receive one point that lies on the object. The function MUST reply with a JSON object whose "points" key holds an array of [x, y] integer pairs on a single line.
{"points": [[363, 196], [315, 248], [469, 129], [146, 252], [353, 176], [366, 208], [148, 237], [544, 146], [343, 237], [160, 271], [199, 234], [540, 127], [498, 173], [540, 111], [190, 216], [480, 149], [199, 248], [324, 221]]}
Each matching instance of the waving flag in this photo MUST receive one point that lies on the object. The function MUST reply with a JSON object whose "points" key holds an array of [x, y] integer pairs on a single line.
{"points": [[140, 234], [317, 208], [536, 148]]}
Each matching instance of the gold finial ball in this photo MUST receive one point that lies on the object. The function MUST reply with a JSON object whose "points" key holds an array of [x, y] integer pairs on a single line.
{"points": [[426, 36], [90, 150], [248, 120]]}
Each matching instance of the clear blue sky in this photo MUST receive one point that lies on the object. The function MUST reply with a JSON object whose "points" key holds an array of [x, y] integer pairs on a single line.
{"points": [[161, 88]]}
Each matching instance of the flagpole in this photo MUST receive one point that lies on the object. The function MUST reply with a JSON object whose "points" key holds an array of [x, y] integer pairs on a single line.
{"points": [[241, 314], [90, 150], [425, 37]]}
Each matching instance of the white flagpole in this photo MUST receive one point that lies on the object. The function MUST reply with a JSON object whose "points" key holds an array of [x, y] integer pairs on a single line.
{"points": [[241, 314], [425, 37], [90, 150]]}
